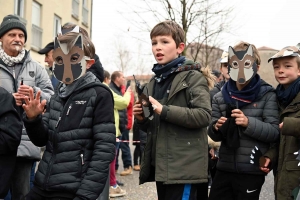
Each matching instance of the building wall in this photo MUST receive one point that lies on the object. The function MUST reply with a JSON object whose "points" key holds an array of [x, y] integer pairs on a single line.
{"points": [[266, 71], [49, 8]]}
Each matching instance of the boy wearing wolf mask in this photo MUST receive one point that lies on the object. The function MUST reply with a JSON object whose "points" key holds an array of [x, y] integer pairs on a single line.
{"points": [[245, 119], [77, 128]]}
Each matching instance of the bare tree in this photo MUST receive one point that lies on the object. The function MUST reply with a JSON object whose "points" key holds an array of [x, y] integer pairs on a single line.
{"points": [[202, 20], [124, 58]]}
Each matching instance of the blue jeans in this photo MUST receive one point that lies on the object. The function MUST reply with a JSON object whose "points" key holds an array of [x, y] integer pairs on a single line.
{"points": [[126, 154]]}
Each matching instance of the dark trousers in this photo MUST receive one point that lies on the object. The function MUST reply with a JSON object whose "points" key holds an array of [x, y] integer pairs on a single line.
{"points": [[180, 191], [126, 154], [20, 183], [137, 155], [233, 186], [35, 196]]}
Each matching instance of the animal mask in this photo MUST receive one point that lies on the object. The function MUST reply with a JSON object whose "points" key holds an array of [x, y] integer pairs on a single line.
{"points": [[69, 64], [241, 65]]}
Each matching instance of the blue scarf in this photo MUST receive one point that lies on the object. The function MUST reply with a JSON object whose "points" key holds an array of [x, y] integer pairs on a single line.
{"points": [[286, 96], [241, 98], [163, 71]]}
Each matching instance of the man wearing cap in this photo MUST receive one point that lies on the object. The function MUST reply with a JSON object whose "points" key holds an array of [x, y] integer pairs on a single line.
{"points": [[48, 51], [18, 72]]}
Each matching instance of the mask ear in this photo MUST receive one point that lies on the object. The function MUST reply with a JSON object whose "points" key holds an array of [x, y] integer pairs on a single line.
{"points": [[250, 50], [230, 52], [56, 43], [79, 42]]}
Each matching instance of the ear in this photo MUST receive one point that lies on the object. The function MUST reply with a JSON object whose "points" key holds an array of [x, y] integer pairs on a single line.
{"points": [[230, 52], [180, 48], [258, 66], [89, 63]]}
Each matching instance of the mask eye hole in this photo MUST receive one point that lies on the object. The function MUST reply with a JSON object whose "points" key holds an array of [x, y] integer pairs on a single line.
{"points": [[235, 64], [74, 58], [59, 60], [247, 64]]}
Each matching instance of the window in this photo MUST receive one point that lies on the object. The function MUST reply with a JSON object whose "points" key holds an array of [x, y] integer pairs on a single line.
{"points": [[37, 31], [75, 8], [19, 8], [85, 12], [57, 25]]}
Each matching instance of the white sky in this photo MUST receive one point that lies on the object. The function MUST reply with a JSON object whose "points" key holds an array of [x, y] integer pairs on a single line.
{"points": [[272, 23]]}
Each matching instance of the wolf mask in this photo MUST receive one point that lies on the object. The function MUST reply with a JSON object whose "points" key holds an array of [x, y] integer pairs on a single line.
{"points": [[241, 65], [69, 64]]}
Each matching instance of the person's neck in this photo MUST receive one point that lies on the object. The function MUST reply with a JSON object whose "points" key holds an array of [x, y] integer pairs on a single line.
{"points": [[241, 86], [117, 84]]}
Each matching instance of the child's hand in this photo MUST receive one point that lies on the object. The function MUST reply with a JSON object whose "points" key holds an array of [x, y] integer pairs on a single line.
{"points": [[220, 122], [280, 125], [138, 111], [240, 118], [33, 106], [157, 107], [266, 168]]}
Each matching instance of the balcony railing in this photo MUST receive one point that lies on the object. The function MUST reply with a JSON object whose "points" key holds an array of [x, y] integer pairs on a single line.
{"points": [[85, 15], [75, 8], [36, 40]]}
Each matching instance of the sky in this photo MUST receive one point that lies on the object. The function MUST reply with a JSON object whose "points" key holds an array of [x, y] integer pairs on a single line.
{"points": [[271, 23]]}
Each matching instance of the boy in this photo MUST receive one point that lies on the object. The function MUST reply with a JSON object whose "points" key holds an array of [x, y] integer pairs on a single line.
{"points": [[286, 64], [245, 119], [175, 155], [10, 138], [78, 126]]}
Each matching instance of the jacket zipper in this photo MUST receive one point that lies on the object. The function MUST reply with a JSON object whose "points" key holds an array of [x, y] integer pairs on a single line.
{"points": [[82, 160], [47, 177], [70, 107]]}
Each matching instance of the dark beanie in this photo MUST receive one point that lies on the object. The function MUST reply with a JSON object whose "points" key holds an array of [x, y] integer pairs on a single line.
{"points": [[12, 22]]}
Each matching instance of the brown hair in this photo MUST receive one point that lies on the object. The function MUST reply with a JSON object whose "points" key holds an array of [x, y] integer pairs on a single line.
{"points": [[242, 46], [70, 37], [106, 74], [115, 75], [169, 28]]}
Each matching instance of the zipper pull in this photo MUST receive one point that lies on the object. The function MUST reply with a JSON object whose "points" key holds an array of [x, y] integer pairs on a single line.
{"points": [[57, 122], [82, 162], [69, 109]]}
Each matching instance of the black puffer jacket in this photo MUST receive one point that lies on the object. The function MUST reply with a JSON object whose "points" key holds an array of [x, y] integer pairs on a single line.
{"points": [[10, 137], [79, 134], [122, 113], [216, 89], [262, 130]]}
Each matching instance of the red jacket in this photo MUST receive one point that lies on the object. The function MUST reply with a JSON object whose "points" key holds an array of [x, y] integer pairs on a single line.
{"points": [[129, 108]]}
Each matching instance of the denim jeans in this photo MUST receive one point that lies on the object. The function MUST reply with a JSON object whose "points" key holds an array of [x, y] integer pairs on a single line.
{"points": [[20, 183], [126, 154]]}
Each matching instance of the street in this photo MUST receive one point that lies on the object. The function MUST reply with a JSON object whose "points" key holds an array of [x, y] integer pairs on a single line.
{"points": [[148, 191]]}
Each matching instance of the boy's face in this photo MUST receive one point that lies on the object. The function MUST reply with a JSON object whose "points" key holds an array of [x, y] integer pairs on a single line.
{"points": [[286, 70], [224, 70], [164, 49]]}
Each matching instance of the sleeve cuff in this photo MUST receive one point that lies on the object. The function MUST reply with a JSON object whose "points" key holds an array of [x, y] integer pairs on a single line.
{"points": [[164, 112]]}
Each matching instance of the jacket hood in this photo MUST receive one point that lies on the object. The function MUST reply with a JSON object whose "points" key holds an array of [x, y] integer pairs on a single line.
{"points": [[97, 69], [86, 81]]}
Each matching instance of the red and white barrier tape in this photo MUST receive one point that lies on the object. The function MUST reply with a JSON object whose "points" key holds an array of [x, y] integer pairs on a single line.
{"points": [[118, 140]]}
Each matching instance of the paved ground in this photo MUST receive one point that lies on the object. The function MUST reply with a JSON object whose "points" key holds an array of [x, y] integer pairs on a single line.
{"points": [[148, 191]]}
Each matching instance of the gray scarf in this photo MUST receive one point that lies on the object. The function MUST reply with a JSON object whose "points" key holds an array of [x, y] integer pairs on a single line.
{"points": [[9, 60]]}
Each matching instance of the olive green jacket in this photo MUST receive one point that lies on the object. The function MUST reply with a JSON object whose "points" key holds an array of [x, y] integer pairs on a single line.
{"points": [[282, 154], [179, 133]]}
